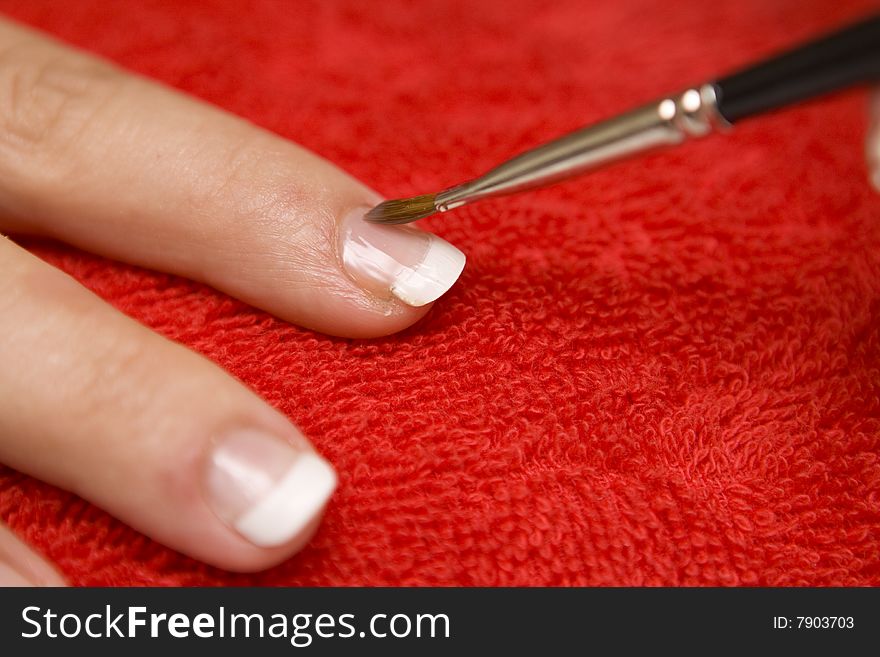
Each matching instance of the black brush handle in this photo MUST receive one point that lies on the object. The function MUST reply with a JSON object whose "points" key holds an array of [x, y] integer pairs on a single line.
{"points": [[849, 56]]}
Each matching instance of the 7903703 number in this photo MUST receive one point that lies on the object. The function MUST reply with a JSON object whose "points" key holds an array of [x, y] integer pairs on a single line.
{"points": [[825, 622]]}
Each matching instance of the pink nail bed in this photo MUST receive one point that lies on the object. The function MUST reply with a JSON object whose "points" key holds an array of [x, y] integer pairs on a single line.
{"points": [[401, 261]]}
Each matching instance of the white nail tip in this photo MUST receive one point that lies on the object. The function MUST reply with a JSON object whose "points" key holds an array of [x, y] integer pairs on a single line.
{"points": [[291, 505], [432, 277]]}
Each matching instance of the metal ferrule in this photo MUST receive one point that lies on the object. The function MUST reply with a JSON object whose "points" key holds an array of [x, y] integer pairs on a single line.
{"points": [[664, 122]]}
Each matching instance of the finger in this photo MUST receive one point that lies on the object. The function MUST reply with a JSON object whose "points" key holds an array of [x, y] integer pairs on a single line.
{"points": [[21, 566], [160, 437], [872, 144], [132, 170]]}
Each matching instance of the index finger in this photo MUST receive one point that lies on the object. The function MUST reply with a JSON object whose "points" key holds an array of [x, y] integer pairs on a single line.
{"points": [[127, 168]]}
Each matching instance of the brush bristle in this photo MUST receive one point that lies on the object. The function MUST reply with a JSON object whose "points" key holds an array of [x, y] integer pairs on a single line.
{"points": [[402, 211]]}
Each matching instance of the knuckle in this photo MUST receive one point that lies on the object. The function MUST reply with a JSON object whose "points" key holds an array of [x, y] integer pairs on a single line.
{"points": [[48, 99], [114, 377], [243, 163], [272, 205]]}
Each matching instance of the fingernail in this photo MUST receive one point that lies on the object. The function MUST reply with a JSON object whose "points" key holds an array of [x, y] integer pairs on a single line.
{"points": [[266, 489], [10, 577], [410, 264]]}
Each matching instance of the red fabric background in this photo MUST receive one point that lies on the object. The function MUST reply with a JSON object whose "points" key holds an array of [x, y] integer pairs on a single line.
{"points": [[664, 373]]}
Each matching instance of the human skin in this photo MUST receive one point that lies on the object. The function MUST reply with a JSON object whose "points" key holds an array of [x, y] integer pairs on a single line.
{"points": [[158, 436], [153, 433]]}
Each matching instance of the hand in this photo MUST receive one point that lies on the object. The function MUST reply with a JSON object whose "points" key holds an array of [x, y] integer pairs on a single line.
{"points": [[97, 404]]}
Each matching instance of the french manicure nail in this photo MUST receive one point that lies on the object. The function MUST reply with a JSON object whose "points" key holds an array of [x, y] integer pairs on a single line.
{"points": [[410, 264], [266, 489]]}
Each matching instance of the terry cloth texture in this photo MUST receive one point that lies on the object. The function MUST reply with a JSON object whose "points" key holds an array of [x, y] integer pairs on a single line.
{"points": [[667, 372]]}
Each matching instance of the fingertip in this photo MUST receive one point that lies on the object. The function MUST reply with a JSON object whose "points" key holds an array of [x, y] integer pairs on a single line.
{"points": [[265, 488], [336, 273], [437, 271]]}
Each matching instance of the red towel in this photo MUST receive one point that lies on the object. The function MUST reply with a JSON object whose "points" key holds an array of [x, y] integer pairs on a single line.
{"points": [[666, 373]]}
